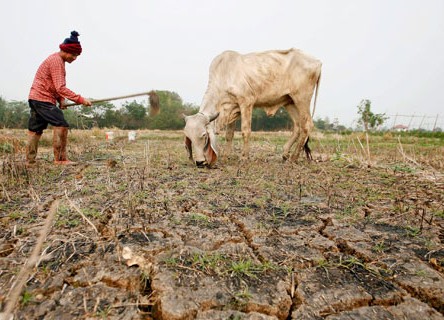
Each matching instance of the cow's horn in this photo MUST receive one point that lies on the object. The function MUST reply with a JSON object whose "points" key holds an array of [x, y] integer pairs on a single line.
{"points": [[214, 116]]}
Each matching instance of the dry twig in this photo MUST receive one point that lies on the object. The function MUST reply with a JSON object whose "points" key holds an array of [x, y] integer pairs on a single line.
{"points": [[401, 150], [72, 204], [30, 263]]}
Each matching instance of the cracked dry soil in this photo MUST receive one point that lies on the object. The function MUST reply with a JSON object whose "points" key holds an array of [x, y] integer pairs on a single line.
{"points": [[140, 233]]}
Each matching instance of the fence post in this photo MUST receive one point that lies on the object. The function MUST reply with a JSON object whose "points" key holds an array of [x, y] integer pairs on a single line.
{"points": [[411, 119], [436, 121], [422, 121], [394, 121]]}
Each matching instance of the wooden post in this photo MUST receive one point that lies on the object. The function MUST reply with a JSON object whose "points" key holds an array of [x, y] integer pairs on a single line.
{"points": [[436, 121], [394, 121]]}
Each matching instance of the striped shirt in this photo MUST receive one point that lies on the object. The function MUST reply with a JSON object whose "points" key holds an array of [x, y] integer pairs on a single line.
{"points": [[49, 83]]}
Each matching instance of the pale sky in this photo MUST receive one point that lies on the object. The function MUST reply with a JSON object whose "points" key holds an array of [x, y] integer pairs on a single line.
{"points": [[388, 51]]}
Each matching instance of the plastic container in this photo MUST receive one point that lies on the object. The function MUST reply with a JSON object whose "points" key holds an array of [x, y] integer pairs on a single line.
{"points": [[109, 135], [132, 136]]}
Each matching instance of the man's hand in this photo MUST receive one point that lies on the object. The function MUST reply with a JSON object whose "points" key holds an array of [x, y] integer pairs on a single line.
{"points": [[86, 102], [62, 104]]}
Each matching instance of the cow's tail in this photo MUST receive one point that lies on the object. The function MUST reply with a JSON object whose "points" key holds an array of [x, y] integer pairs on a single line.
{"points": [[306, 147], [316, 93]]}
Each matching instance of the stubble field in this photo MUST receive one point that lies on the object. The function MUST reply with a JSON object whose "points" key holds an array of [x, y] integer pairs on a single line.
{"points": [[136, 231]]}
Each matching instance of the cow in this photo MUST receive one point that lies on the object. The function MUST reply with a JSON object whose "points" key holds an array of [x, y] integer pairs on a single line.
{"points": [[240, 82]]}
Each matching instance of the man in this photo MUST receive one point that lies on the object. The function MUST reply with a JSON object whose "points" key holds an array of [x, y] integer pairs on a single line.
{"points": [[48, 88]]}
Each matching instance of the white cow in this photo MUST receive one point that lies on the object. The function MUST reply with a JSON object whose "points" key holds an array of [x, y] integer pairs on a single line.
{"points": [[240, 82]]}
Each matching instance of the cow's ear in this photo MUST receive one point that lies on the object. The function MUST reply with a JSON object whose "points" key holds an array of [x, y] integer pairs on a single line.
{"points": [[211, 156], [189, 148], [211, 150], [214, 116]]}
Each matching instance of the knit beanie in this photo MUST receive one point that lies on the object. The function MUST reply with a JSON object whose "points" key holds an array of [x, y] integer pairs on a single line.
{"points": [[72, 44]]}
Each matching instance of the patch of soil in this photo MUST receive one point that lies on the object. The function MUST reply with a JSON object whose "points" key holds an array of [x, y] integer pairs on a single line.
{"points": [[153, 237]]}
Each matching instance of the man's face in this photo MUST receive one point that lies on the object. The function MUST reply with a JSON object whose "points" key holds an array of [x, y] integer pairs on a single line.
{"points": [[71, 57]]}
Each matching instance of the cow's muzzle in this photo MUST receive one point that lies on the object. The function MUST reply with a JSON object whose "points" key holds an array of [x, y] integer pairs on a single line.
{"points": [[201, 164]]}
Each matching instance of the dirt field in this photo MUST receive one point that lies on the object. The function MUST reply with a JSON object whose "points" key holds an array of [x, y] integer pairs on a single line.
{"points": [[136, 231]]}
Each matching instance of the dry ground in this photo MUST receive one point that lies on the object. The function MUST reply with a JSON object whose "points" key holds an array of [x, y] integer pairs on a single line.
{"points": [[140, 233]]}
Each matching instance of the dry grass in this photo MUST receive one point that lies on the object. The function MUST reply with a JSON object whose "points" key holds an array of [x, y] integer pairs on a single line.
{"points": [[133, 190]]}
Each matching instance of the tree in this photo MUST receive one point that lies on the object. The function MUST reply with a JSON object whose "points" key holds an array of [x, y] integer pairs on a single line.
{"points": [[261, 121], [135, 115], [323, 124], [368, 119], [112, 118], [2, 112], [171, 110], [104, 115], [14, 114]]}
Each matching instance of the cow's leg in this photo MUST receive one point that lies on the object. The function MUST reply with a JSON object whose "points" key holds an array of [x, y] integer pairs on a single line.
{"points": [[246, 114], [305, 126], [292, 112], [229, 135]]}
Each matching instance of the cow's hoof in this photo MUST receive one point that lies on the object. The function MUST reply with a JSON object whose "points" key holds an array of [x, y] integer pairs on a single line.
{"points": [[285, 157]]}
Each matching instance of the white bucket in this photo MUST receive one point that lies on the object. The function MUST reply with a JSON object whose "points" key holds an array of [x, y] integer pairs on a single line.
{"points": [[132, 136], [109, 135]]}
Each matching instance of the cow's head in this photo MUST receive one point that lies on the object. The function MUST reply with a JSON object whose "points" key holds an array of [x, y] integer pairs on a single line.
{"points": [[200, 135]]}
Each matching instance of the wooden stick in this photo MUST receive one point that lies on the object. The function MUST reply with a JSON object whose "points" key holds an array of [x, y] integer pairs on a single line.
{"points": [[110, 99]]}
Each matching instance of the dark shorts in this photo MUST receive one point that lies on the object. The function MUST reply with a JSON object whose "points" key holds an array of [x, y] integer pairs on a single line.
{"points": [[44, 113]]}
